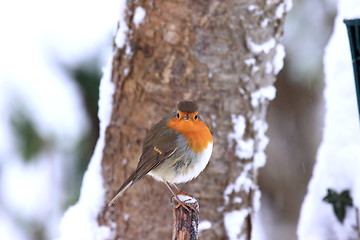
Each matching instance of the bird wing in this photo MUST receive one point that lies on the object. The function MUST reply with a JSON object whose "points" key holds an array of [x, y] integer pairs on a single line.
{"points": [[150, 159], [159, 144]]}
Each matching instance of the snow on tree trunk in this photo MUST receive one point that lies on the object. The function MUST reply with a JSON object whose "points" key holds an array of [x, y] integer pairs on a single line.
{"points": [[80, 221], [223, 54], [338, 162]]}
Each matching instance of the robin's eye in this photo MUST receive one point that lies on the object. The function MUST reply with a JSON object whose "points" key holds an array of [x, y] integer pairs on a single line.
{"points": [[178, 115], [196, 117]]}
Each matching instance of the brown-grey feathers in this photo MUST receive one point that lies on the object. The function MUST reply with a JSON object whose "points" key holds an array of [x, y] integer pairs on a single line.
{"points": [[187, 106]]}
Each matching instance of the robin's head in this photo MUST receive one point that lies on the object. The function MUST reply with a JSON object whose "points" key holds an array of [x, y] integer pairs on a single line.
{"points": [[186, 121], [187, 110]]}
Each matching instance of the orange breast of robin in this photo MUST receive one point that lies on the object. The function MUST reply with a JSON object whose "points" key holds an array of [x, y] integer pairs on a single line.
{"points": [[195, 131]]}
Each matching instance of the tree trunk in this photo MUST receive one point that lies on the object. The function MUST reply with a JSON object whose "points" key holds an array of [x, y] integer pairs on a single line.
{"points": [[223, 54]]}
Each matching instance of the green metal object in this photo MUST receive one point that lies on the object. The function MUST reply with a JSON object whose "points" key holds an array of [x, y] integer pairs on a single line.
{"points": [[353, 27]]}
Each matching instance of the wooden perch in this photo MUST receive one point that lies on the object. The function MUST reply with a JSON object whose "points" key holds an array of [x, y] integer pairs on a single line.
{"points": [[186, 220]]}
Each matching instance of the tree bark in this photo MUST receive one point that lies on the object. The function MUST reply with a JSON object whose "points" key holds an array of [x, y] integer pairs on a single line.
{"points": [[186, 220], [218, 53]]}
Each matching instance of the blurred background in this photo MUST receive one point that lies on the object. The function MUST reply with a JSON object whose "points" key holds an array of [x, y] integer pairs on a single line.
{"points": [[51, 55]]}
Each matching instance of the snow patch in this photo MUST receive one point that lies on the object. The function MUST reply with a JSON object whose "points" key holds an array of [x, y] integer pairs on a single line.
{"points": [[255, 69], [263, 95], [288, 5], [252, 8], [250, 61], [263, 47], [80, 220], [264, 23], [186, 199], [120, 38], [256, 200], [280, 10], [269, 68], [126, 217], [244, 147], [234, 221], [213, 120], [238, 200], [204, 225], [239, 125], [242, 182], [139, 16], [23, 179], [278, 61], [260, 128], [8, 229]]}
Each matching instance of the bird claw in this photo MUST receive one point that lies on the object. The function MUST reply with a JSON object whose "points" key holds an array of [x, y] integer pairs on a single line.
{"points": [[183, 203]]}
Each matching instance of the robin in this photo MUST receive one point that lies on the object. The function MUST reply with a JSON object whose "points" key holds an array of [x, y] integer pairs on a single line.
{"points": [[176, 150]]}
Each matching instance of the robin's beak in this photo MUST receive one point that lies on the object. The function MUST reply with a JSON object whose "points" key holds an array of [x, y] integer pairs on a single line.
{"points": [[186, 117]]}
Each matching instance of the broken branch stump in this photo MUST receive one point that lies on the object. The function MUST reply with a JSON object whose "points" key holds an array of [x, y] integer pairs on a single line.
{"points": [[186, 220]]}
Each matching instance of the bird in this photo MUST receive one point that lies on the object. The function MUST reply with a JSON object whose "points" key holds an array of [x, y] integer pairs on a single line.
{"points": [[175, 150]]}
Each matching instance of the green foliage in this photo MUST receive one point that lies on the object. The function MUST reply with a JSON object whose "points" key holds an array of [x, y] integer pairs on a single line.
{"points": [[339, 202], [87, 76], [30, 141]]}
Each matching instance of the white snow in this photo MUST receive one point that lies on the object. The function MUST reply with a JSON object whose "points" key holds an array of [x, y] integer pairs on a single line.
{"points": [[269, 68], [80, 220], [283, 8], [256, 200], [233, 223], [120, 37], [278, 61], [337, 164], [259, 159], [263, 47], [244, 148], [38, 39], [204, 225], [128, 50], [263, 95], [264, 23], [187, 199], [237, 200], [28, 192], [252, 7], [213, 120], [139, 16], [280, 10], [126, 217], [239, 126], [258, 230], [242, 182], [250, 61], [8, 229], [254, 69], [260, 128], [289, 5]]}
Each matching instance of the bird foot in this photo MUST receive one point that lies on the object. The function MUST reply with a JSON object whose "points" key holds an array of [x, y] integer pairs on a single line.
{"points": [[186, 201]]}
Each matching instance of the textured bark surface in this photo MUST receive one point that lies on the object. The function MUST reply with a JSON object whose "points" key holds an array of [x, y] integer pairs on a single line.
{"points": [[187, 50], [186, 221]]}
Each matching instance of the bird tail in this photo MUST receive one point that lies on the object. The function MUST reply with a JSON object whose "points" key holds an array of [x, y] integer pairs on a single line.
{"points": [[122, 189]]}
